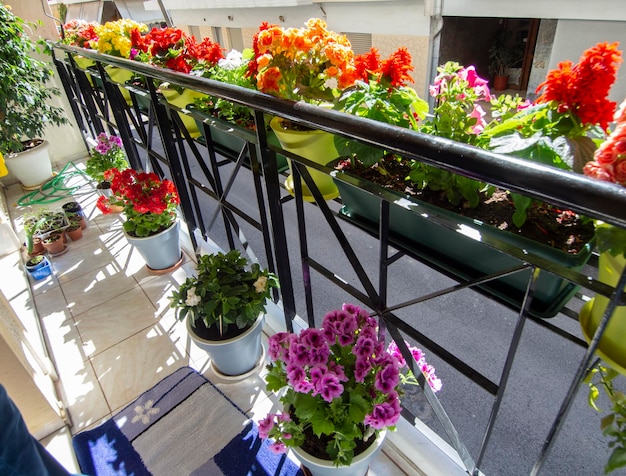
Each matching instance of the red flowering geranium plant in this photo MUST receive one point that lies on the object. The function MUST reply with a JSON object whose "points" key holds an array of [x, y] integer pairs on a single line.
{"points": [[149, 203], [174, 49], [341, 386]]}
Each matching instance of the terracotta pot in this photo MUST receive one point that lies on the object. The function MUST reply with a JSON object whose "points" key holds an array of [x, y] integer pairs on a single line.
{"points": [[75, 232], [54, 244], [38, 247], [500, 83]]}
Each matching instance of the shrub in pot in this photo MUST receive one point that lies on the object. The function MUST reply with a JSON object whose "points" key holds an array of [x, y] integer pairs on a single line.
{"points": [[224, 304], [25, 110]]}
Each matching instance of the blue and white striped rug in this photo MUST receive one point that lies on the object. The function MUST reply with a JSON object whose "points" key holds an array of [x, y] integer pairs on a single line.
{"points": [[182, 426]]}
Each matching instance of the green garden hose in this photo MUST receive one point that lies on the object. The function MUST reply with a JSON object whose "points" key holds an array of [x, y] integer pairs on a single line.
{"points": [[55, 189]]}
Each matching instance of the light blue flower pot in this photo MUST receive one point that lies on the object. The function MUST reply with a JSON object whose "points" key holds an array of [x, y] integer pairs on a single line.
{"points": [[160, 251], [236, 356]]}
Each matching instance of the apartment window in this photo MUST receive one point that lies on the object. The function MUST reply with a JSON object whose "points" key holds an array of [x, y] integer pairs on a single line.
{"points": [[235, 38], [361, 42]]}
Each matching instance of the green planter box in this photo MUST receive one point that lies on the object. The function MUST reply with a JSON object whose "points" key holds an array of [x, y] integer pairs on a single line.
{"points": [[230, 138], [461, 255]]}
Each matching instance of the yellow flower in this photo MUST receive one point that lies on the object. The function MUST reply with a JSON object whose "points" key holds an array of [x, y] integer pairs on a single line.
{"points": [[114, 37]]}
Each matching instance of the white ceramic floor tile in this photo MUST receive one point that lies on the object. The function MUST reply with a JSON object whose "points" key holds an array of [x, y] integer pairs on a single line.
{"points": [[104, 326], [84, 397], [59, 445], [136, 364], [96, 287]]}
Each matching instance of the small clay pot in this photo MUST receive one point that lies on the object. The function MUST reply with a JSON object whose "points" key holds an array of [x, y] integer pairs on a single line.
{"points": [[54, 244], [38, 247], [75, 232]]}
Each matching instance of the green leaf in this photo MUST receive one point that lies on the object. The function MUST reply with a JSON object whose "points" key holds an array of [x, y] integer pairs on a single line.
{"points": [[616, 460]]}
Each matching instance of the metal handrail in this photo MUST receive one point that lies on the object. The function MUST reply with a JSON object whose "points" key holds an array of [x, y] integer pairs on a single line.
{"points": [[590, 197]]}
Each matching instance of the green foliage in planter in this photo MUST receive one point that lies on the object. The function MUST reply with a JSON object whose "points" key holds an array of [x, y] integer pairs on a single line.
{"points": [[232, 70], [613, 425], [224, 292], [24, 95]]}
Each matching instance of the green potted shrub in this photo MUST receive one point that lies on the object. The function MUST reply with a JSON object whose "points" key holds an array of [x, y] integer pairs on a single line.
{"points": [[25, 110], [224, 307]]}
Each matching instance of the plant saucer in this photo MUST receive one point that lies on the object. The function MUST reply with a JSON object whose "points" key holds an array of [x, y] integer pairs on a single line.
{"points": [[233, 378], [54, 255]]}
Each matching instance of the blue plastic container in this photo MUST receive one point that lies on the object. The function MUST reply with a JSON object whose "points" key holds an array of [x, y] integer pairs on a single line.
{"points": [[41, 270]]}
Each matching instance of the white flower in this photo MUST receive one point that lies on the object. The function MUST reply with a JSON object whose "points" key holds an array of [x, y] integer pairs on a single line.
{"points": [[331, 83], [260, 285], [233, 60], [192, 298]]}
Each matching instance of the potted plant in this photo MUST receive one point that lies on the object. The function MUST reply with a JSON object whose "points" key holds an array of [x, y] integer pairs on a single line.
{"points": [[54, 244], [74, 230], [38, 267], [601, 379], [107, 154], [310, 64], [25, 110], [540, 132], [224, 306], [174, 49], [609, 165], [500, 62], [151, 225], [340, 389], [32, 222]]}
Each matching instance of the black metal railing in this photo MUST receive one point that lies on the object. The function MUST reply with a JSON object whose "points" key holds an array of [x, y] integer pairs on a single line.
{"points": [[241, 191]]}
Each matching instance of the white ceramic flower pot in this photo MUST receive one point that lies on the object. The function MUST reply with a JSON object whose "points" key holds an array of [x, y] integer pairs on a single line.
{"points": [[358, 467], [31, 167], [236, 356]]}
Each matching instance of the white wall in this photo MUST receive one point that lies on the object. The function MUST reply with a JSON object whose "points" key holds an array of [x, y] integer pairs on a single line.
{"points": [[66, 143], [556, 9], [574, 36], [396, 17]]}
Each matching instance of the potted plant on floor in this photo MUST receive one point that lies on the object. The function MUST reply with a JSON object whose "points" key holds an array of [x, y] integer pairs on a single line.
{"points": [[151, 225], [38, 267], [224, 307], [340, 389], [25, 110], [107, 154]]}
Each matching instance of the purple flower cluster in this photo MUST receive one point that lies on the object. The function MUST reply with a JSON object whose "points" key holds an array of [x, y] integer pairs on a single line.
{"points": [[108, 143], [333, 368]]}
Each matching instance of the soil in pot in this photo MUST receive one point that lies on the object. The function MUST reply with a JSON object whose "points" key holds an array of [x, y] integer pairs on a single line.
{"points": [[212, 333], [54, 244], [557, 228], [316, 445]]}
